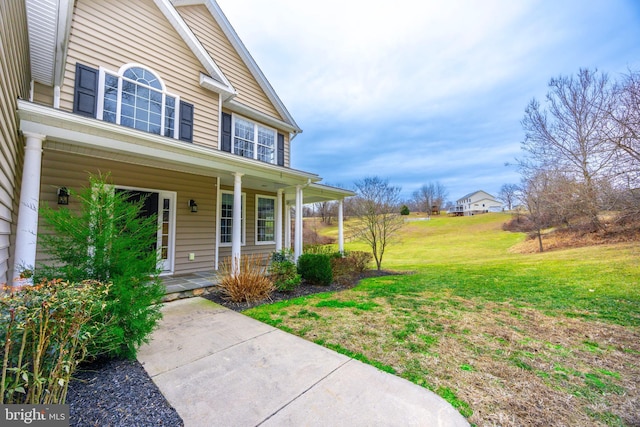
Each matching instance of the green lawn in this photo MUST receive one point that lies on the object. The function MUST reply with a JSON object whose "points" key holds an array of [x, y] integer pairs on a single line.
{"points": [[507, 338]]}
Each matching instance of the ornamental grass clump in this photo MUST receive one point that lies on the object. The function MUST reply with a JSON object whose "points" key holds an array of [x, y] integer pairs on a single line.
{"points": [[45, 331], [247, 281]]}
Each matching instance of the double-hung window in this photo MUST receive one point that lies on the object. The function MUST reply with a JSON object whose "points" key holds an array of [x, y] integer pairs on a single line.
{"points": [[136, 97], [253, 140], [226, 218], [265, 219]]}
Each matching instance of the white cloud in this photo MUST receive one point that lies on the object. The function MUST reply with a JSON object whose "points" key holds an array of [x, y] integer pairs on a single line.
{"points": [[411, 89]]}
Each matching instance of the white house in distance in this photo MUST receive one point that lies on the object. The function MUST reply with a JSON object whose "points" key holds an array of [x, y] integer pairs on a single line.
{"points": [[475, 203]]}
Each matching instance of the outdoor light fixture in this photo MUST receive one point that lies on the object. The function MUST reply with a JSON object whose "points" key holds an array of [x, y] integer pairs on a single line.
{"points": [[193, 206], [63, 196]]}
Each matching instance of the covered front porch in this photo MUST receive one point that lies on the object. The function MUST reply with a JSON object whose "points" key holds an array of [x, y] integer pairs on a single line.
{"points": [[230, 217]]}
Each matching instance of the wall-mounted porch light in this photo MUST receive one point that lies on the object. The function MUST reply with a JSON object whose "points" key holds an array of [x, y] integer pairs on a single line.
{"points": [[63, 196], [193, 206]]}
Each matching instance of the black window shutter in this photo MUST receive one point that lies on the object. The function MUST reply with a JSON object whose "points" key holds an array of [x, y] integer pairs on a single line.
{"points": [[280, 149], [85, 98], [226, 132], [186, 121]]}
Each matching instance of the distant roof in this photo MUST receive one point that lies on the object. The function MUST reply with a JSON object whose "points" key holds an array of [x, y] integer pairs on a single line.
{"points": [[467, 196]]}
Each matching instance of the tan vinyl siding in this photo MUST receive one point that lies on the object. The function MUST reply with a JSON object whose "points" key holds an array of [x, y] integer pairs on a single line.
{"points": [[195, 232], [43, 94], [111, 33], [14, 83], [220, 49]]}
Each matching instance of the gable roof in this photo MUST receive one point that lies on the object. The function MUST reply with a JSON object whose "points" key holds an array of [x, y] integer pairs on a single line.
{"points": [[49, 23], [468, 196], [218, 82], [219, 16]]}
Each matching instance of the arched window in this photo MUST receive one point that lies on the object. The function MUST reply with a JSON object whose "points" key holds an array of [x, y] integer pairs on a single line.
{"points": [[136, 97]]}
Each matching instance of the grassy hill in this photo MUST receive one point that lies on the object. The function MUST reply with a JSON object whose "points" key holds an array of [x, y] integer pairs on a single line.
{"points": [[472, 256], [509, 339]]}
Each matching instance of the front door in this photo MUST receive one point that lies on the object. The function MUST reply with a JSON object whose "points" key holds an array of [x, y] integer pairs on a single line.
{"points": [[161, 204]]}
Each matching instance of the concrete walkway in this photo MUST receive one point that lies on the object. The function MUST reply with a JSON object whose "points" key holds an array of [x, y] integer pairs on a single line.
{"points": [[217, 367]]}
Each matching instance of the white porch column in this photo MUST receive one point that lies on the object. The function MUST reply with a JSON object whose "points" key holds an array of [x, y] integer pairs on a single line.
{"points": [[236, 236], [340, 227], [27, 231], [217, 222], [278, 229], [297, 238], [287, 227]]}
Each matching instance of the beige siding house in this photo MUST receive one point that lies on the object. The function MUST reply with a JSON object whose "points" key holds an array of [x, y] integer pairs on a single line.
{"points": [[475, 203], [164, 97]]}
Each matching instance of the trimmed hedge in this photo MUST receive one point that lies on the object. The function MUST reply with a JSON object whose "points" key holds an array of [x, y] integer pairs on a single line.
{"points": [[315, 269]]}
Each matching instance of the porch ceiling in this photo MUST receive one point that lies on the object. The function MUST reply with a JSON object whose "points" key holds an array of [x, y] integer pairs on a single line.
{"points": [[72, 133]]}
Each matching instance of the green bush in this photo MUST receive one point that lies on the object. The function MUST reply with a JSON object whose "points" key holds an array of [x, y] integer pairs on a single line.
{"points": [[108, 241], [284, 275], [315, 268], [46, 330], [282, 255], [283, 271], [404, 210], [245, 282]]}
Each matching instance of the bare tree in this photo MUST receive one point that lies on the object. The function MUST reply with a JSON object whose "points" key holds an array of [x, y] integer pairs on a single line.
{"points": [[430, 195], [549, 196], [624, 135], [569, 136], [509, 194], [625, 129], [326, 210], [377, 208]]}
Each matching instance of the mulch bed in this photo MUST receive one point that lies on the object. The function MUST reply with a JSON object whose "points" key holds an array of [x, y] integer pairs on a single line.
{"points": [[119, 393], [300, 291]]}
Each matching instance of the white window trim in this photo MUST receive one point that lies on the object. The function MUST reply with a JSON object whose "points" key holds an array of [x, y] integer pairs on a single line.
{"points": [[244, 220], [275, 207], [119, 74], [255, 133]]}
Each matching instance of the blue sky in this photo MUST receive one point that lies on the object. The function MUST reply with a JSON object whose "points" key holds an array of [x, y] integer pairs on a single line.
{"points": [[421, 91]]}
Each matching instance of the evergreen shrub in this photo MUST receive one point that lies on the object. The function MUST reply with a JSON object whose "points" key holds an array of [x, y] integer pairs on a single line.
{"points": [[283, 271], [315, 268], [109, 241]]}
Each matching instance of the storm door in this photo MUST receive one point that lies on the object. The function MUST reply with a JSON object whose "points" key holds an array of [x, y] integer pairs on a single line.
{"points": [[161, 204]]}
